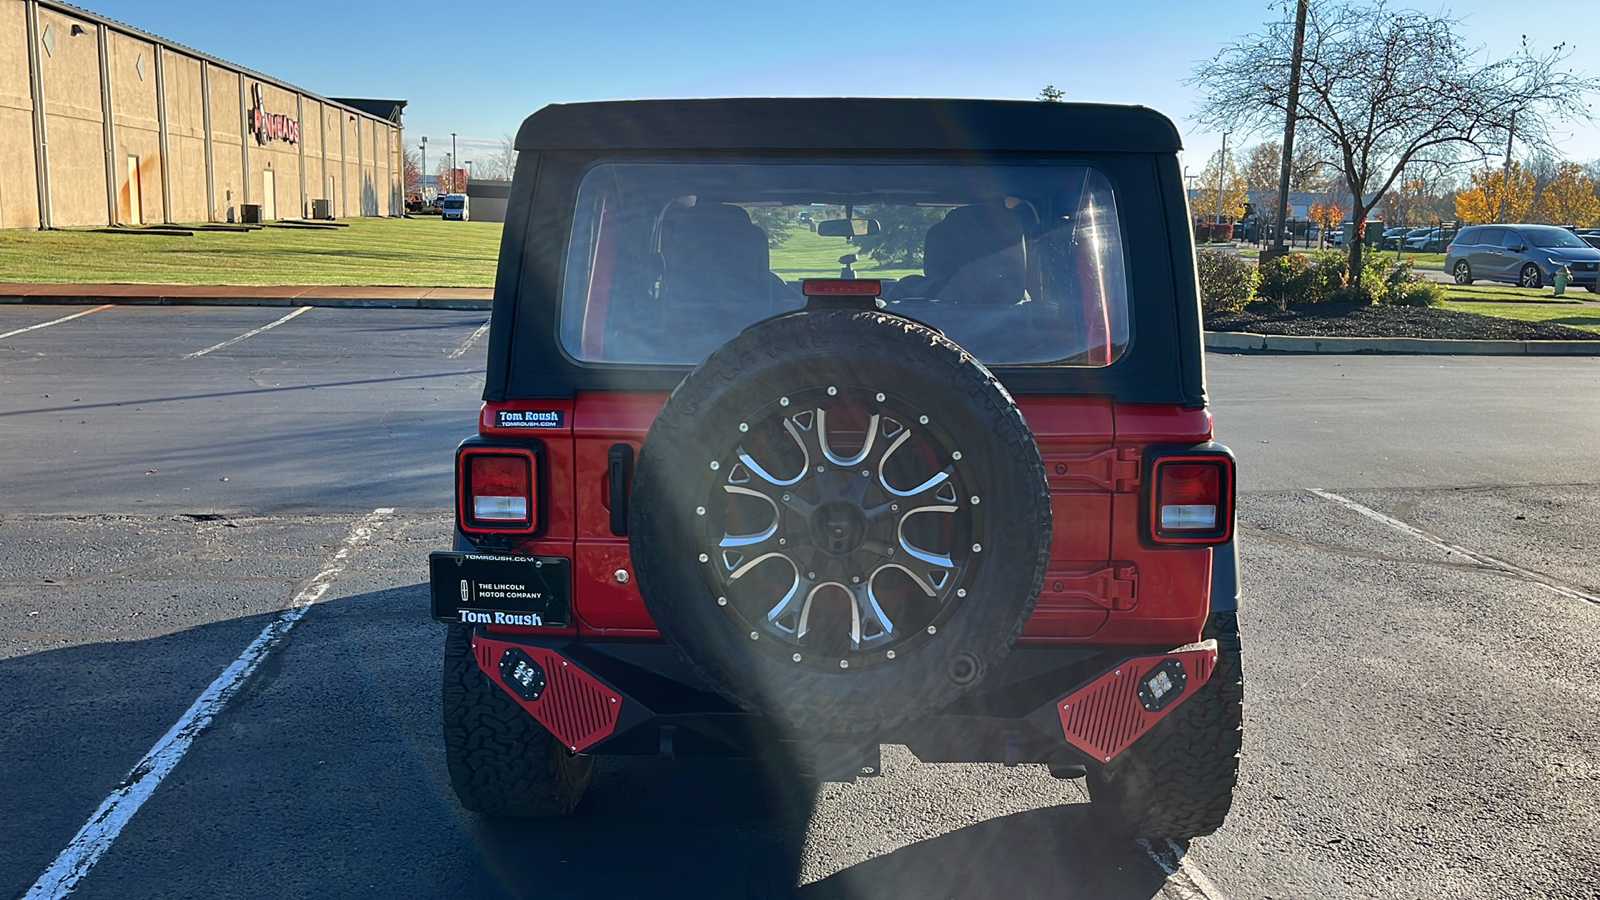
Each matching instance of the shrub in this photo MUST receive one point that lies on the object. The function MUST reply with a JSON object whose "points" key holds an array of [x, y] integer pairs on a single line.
{"points": [[1332, 272], [1288, 279], [1420, 292], [1226, 281]]}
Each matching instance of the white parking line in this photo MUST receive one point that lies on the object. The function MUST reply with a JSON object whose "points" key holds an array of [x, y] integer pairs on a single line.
{"points": [[1184, 881], [97, 835], [252, 333], [76, 315], [467, 344], [1488, 562]]}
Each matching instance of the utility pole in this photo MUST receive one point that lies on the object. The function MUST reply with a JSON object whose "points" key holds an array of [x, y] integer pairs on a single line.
{"points": [[1288, 126], [1222, 168], [1505, 178]]}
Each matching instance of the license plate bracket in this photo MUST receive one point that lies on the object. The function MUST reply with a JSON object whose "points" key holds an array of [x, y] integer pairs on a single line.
{"points": [[485, 589]]}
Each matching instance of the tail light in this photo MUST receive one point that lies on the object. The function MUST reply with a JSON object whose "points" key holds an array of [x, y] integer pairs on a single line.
{"points": [[497, 490], [1191, 499]]}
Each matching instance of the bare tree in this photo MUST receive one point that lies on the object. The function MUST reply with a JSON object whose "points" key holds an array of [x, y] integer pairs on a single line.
{"points": [[1384, 88], [411, 174]]}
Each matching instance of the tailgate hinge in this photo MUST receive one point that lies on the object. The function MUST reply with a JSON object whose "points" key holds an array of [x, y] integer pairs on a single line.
{"points": [[1115, 469], [1115, 587]]}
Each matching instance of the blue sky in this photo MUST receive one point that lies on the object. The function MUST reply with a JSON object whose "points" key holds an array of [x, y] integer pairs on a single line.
{"points": [[507, 59]]}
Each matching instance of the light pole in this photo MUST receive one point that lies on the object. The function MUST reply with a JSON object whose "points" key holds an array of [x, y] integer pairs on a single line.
{"points": [[453, 157], [424, 166], [1293, 109], [1222, 167]]}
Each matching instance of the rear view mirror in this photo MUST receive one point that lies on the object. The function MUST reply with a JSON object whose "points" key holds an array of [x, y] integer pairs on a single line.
{"points": [[848, 227]]}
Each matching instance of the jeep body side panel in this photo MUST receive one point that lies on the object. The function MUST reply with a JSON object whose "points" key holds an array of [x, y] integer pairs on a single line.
{"points": [[1105, 585]]}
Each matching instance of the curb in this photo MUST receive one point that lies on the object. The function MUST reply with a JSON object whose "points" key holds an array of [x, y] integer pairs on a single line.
{"points": [[457, 303], [1279, 343]]}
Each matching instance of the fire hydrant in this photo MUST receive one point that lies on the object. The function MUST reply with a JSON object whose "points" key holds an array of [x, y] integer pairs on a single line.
{"points": [[1561, 280]]}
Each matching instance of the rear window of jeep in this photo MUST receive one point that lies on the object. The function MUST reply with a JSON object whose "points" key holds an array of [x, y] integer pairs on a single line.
{"points": [[1019, 264]]}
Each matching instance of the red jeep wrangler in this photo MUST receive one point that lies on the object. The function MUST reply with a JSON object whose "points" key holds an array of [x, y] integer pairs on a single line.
{"points": [[729, 497]]}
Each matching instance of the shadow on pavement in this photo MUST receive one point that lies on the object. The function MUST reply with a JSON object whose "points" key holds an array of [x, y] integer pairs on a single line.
{"points": [[325, 777]]}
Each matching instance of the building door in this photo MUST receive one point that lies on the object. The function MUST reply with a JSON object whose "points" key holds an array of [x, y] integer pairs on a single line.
{"points": [[135, 204], [269, 197]]}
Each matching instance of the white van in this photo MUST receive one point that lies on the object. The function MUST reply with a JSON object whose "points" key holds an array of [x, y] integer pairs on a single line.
{"points": [[454, 206]]}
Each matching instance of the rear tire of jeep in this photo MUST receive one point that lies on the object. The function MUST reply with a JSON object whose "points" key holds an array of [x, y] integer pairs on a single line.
{"points": [[914, 638], [502, 762], [1177, 781]]}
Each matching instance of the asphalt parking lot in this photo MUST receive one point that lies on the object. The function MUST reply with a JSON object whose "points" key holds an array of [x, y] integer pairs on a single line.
{"points": [[1421, 666]]}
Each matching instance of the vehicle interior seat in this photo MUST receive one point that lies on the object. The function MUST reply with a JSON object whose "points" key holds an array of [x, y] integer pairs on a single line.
{"points": [[716, 274], [976, 255]]}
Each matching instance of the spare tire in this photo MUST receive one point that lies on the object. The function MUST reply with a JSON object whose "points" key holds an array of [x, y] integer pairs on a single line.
{"points": [[840, 518]]}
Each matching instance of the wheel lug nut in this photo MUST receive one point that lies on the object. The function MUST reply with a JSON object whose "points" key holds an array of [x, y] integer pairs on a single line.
{"points": [[744, 426], [932, 630], [783, 401], [923, 420], [786, 498], [704, 558], [894, 507], [865, 473], [782, 542], [832, 390], [855, 579], [715, 465], [890, 654], [977, 548], [796, 657], [880, 398], [956, 455], [699, 510], [754, 636], [844, 663], [722, 601]]}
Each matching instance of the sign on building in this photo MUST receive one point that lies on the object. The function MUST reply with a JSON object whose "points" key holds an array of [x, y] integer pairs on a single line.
{"points": [[270, 126]]}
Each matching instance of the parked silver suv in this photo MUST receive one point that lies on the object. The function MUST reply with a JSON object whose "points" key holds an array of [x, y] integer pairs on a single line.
{"points": [[1526, 255]]}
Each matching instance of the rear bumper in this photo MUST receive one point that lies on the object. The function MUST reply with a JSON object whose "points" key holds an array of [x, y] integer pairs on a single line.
{"points": [[1069, 706]]}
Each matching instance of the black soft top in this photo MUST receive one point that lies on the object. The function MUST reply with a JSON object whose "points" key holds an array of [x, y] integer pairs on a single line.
{"points": [[849, 124]]}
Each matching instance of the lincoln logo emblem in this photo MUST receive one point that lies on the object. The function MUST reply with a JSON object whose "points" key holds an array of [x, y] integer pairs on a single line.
{"points": [[466, 592], [268, 126]]}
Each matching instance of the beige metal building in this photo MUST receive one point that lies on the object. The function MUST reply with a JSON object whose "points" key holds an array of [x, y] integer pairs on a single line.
{"points": [[103, 124]]}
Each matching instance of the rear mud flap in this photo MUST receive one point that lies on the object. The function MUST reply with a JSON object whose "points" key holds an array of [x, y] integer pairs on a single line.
{"points": [[575, 706], [1106, 716]]}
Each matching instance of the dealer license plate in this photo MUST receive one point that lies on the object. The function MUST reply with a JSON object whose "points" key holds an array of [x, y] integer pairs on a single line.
{"points": [[483, 589]]}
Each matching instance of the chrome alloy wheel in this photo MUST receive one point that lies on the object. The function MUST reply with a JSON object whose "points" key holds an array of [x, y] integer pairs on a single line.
{"points": [[838, 527]]}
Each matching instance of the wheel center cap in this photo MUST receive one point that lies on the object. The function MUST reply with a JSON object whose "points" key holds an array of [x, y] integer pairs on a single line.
{"points": [[838, 527]]}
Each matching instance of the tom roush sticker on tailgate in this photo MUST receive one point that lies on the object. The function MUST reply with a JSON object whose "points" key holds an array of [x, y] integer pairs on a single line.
{"points": [[481, 589], [538, 418]]}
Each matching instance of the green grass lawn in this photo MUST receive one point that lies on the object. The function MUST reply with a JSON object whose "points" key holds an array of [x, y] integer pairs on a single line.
{"points": [[808, 255], [1506, 293], [423, 252], [1584, 317]]}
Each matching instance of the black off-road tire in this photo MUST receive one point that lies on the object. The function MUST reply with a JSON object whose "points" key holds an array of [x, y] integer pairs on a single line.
{"points": [[855, 350], [1177, 781], [502, 762]]}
